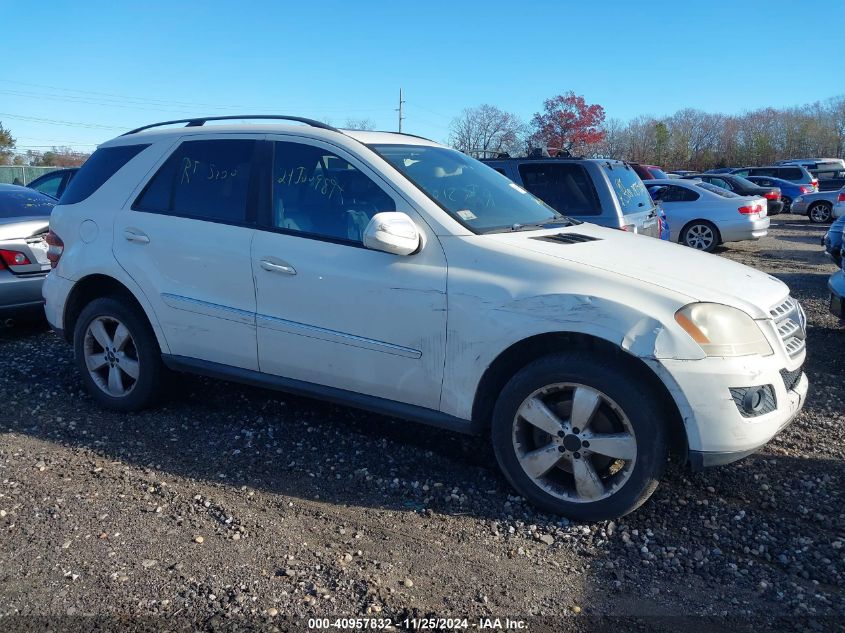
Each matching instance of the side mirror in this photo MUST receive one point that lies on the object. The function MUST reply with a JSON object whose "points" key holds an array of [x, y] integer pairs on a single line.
{"points": [[392, 232]]}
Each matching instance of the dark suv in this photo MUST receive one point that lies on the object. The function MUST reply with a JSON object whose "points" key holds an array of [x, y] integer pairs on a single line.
{"points": [[793, 173], [605, 192]]}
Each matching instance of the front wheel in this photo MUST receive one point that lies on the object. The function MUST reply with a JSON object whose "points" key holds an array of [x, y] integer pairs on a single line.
{"points": [[701, 235], [580, 435], [820, 212]]}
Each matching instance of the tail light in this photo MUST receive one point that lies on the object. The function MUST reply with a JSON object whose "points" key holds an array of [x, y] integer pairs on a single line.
{"points": [[840, 197], [55, 248], [13, 258], [750, 209], [772, 195], [815, 182], [805, 189]]}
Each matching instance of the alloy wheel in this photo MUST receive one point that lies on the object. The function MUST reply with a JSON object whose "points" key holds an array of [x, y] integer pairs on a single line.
{"points": [[111, 356], [820, 213], [574, 442], [699, 236]]}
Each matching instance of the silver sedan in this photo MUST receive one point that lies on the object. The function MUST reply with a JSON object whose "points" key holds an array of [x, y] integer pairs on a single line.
{"points": [[24, 221], [817, 206], [703, 216]]}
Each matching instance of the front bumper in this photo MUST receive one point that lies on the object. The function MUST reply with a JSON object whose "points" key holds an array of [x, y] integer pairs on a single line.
{"points": [[799, 207], [836, 285], [743, 229], [20, 293], [717, 432]]}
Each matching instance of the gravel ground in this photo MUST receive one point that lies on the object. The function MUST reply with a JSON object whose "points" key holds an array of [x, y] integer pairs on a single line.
{"points": [[232, 504]]}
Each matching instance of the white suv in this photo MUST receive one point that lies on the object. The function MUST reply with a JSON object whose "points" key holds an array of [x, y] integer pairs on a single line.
{"points": [[390, 273]]}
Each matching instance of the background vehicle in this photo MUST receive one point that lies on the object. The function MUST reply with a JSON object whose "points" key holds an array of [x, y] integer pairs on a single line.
{"points": [[817, 206], [720, 170], [839, 205], [24, 221], [788, 190], [836, 285], [814, 164], [646, 172], [793, 173], [54, 183], [579, 348], [830, 179], [702, 216], [604, 192], [832, 241], [742, 187]]}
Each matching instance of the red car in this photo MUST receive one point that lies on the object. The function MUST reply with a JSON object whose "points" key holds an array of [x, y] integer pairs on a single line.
{"points": [[648, 172]]}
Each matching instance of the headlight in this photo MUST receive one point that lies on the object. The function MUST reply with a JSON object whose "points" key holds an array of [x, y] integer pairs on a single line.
{"points": [[722, 331]]}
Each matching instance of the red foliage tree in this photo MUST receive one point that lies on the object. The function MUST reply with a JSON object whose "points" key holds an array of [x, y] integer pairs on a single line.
{"points": [[568, 123]]}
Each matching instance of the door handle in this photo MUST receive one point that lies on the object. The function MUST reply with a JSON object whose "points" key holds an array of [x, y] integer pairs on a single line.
{"points": [[137, 237], [278, 267]]}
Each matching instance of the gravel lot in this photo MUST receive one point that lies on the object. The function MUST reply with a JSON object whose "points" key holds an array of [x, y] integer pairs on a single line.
{"points": [[232, 504]]}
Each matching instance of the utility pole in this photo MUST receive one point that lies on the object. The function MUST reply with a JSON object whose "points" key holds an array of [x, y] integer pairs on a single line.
{"points": [[401, 106]]}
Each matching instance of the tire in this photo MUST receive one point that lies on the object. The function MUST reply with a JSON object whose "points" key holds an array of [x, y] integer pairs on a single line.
{"points": [[787, 204], [701, 235], [139, 377], [820, 212], [625, 411]]}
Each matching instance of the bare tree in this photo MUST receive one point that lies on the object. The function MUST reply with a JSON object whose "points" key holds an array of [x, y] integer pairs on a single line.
{"points": [[359, 124], [485, 130]]}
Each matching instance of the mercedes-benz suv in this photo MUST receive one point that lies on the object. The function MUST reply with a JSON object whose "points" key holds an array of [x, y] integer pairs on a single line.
{"points": [[390, 273]]}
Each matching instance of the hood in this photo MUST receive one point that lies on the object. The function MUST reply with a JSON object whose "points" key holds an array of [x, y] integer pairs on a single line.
{"points": [[699, 276], [16, 228]]}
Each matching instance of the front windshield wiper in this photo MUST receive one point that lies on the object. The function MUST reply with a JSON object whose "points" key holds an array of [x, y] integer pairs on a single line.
{"points": [[533, 226]]}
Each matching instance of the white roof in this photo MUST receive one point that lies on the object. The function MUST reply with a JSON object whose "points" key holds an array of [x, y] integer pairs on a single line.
{"points": [[366, 137]]}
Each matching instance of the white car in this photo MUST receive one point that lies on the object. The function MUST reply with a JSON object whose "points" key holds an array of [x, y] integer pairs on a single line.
{"points": [[393, 274], [702, 216]]}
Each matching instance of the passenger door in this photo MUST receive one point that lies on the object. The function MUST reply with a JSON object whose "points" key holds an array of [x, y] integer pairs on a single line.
{"points": [[330, 311], [186, 242]]}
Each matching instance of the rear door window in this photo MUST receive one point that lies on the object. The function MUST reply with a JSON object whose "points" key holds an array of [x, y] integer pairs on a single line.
{"points": [[102, 165], [50, 185], [565, 187], [205, 180], [674, 193]]}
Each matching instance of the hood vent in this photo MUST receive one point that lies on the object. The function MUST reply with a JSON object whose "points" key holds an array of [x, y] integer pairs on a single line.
{"points": [[567, 238]]}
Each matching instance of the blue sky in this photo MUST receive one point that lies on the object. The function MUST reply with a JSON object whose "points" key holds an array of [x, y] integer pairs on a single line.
{"points": [[113, 67]]}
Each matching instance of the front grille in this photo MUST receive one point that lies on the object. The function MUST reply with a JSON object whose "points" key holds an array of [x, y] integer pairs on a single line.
{"points": [[791, 378], [790, 323]]}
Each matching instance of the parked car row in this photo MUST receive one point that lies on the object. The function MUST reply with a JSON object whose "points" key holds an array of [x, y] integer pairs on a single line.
{"points": [[586, 352]]}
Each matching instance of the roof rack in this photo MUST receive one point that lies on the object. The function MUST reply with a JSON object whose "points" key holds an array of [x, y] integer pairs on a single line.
{"points": [[200, 121]]}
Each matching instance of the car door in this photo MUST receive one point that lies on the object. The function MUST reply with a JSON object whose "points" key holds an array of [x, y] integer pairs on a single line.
{"points": [[185, 240], [679, 204], [329, 311]]}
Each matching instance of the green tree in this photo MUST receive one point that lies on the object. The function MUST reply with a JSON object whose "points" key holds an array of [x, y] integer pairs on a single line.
{"points": [[7, 145]]}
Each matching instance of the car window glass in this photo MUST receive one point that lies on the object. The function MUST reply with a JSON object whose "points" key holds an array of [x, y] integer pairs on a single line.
{"points": [[50, 185], [100, 166], [674, 193], [565, 187], [207, 180], [628, 188], [319, 193], [719, 182], [792, 173], [717, 190]]}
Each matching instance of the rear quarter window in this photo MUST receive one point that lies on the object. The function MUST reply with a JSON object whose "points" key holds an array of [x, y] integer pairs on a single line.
{"points": [[565, 187], [102, 165], [791, 173]]}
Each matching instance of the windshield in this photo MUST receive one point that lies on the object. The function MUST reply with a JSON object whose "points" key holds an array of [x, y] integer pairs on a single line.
{"points": [[473, 193], [629, 189], [717, 190], [24, 202]]}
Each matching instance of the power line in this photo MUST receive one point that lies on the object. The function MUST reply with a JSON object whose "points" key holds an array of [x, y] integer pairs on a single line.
{"points": [[65, 123]]}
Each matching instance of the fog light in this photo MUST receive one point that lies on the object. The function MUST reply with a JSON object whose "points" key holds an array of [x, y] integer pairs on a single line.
{"points": [[753, 400]]}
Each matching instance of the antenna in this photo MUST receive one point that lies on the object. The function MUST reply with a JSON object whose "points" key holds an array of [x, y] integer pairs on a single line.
{"points": [[400, 109]]}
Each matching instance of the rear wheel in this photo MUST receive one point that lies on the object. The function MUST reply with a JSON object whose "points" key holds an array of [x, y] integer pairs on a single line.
{"points": [[701, 235], [787, 204], [820, 212], [118, 355], [580, 435]]}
